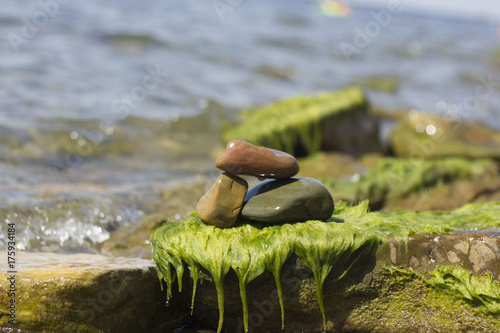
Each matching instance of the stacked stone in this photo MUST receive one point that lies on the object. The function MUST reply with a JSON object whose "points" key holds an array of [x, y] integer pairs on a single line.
{"points": [[281, 199]]}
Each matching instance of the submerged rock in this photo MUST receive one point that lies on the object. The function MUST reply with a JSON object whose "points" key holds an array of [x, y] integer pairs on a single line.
{"points": [[288, 200], [243, 158], [385, 84], [87, 293], [316, 276], [222, 204], [133, 240], [178, 200], [330, 164], [339, 121]]}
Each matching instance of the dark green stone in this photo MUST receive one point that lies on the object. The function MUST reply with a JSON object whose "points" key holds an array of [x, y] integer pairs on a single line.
{"points": [[288, 200]]}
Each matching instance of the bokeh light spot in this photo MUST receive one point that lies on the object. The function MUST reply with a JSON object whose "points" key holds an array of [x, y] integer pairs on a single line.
{"points": [[335, 8]]}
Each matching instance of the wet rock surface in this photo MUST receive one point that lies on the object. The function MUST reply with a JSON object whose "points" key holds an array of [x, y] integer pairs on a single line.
{"points": [[88, 293], [133, 240], [177, 202], [288, 200], [477, 251], [243, 158]]}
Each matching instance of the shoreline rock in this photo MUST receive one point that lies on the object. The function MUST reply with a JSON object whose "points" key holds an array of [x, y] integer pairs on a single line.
{"points": [[421, 134], [339, 283], [419, 184], [88, 293]]}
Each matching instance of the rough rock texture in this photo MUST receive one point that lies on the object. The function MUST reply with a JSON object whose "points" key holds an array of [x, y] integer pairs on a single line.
{"points": [[222, 204], [288, 200], [424, 135], [477, 251], [87, 293], [339, 121], [372, 297], [243, 158]]}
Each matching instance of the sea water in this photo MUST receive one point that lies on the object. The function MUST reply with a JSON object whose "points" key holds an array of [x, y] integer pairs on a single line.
{"points": [[106, 103]]}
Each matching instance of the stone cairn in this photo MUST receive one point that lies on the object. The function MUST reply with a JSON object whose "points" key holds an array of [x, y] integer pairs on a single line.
{"points": [[279, 200]]}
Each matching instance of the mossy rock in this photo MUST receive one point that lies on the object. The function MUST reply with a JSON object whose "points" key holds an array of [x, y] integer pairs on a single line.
{"points": [[330, 165], [86, 293], [424, 135], [339, 121], [394, 180], [308, 269]]}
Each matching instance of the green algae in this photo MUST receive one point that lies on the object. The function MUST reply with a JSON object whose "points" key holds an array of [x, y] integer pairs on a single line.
{"points": [[406, 300], [483, 292], [335, 246], [398, 176], [380, 83], [460, 283], [449, 137], [298, 121]]}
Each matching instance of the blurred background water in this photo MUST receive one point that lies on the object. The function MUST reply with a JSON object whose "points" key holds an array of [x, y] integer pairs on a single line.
{"points": [[104, 104]]}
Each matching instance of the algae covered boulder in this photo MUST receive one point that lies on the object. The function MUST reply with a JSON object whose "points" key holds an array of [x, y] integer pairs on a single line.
{"points": [[326, 276], [424, 135], [302, 125], [415, 183], [85, 293]]}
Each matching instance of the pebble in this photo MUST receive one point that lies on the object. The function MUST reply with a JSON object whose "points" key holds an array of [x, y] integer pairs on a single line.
{"points": [[221, 205], [243, 158], [288, 200]]}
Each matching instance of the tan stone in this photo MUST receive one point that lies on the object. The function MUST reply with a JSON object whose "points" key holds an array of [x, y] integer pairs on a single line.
{"points": [[462, 247], [243, 158], [452, 257], [222, 204], [481, 256]]}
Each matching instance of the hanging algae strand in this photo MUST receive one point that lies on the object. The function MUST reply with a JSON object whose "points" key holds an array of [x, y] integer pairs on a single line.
{"points": [[247, 249], [328, 249]]}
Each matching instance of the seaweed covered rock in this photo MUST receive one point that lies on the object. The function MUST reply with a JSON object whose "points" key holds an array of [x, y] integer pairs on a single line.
{"points": [[339, 121], [423, 135], [318, 276], [422, 184], [86, 293]]}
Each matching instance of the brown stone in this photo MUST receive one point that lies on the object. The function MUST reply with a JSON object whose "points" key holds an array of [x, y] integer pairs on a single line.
{"points": [[221, 205], [243, 158]]}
